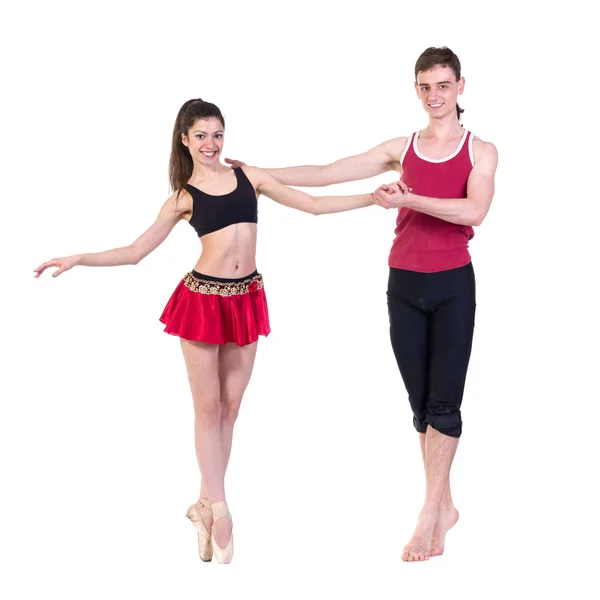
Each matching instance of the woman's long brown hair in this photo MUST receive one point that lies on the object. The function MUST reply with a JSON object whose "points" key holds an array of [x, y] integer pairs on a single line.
{"points": [[180, 163]]}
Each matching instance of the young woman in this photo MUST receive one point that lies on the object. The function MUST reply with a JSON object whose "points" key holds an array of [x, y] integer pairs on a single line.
{"points": [[219, 309], [446, 187]]}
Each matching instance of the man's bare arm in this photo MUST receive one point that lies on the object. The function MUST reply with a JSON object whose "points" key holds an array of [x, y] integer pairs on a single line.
{"points": [[384, 157], [462, 211]]}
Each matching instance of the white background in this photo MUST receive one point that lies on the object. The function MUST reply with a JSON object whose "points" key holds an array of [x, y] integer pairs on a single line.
{"points": [[325, 481]]}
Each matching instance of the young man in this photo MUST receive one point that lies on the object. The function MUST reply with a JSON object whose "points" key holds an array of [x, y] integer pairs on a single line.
{"points": [[446, 187]]}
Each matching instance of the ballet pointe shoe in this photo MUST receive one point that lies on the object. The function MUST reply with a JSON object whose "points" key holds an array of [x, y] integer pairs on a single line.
{"points": [[204, 542], [224, 555]]}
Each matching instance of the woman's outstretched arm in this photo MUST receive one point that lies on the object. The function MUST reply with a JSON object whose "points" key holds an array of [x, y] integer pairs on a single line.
{"points": [[170, 213], [266, 184]]}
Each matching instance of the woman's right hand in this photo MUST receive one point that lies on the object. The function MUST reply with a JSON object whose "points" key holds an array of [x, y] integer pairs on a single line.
{"points": [[63, 264]]}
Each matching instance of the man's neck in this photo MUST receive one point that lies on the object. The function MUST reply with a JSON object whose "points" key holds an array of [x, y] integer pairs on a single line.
{"points": [[444, 129]]}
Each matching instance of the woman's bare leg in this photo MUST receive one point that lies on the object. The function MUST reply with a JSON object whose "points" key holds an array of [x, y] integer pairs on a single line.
{"points": [[202, 362], [235, 368]]}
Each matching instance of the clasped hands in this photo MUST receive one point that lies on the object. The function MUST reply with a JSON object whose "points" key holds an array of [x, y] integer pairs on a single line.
{"points": [[392, 195]]}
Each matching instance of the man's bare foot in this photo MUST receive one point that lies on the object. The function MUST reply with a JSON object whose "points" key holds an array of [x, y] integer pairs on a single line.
{"points": [[447, 519], [417, 548]]}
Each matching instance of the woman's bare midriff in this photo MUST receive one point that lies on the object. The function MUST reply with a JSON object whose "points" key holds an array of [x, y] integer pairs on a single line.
{"points": [[229, 253]]}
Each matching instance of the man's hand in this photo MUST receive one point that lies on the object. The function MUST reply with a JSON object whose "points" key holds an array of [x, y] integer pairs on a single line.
{"points": [[393, 195], [235, 163]]}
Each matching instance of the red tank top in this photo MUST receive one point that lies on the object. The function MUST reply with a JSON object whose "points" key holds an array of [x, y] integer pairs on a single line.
{"points": [[424, 243]]}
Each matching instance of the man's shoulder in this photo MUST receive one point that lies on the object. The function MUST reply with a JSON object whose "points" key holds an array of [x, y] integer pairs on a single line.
{"points": [[395, 147], [477, 141], [483, 148]]}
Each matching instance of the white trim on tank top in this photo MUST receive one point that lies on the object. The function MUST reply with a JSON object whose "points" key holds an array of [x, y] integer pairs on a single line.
{"points": [[406, 147], [438, 160], [471, 151]]}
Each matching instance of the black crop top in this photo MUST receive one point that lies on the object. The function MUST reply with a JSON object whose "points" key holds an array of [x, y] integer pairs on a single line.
{"points": [[211, 213]]}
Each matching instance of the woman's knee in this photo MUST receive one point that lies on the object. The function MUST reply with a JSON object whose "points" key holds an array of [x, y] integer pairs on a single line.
{"points": [[230, 407], [208, 412]]}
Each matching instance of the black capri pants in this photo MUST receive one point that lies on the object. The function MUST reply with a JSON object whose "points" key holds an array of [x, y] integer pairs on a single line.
{"points": [[432, 317]]}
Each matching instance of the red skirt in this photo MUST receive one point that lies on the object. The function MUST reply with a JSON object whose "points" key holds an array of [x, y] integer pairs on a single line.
{"points": [[218, 311]]}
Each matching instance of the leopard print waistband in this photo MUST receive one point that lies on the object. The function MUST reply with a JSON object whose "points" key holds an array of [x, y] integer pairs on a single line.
{"points": [[223, 288]]}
